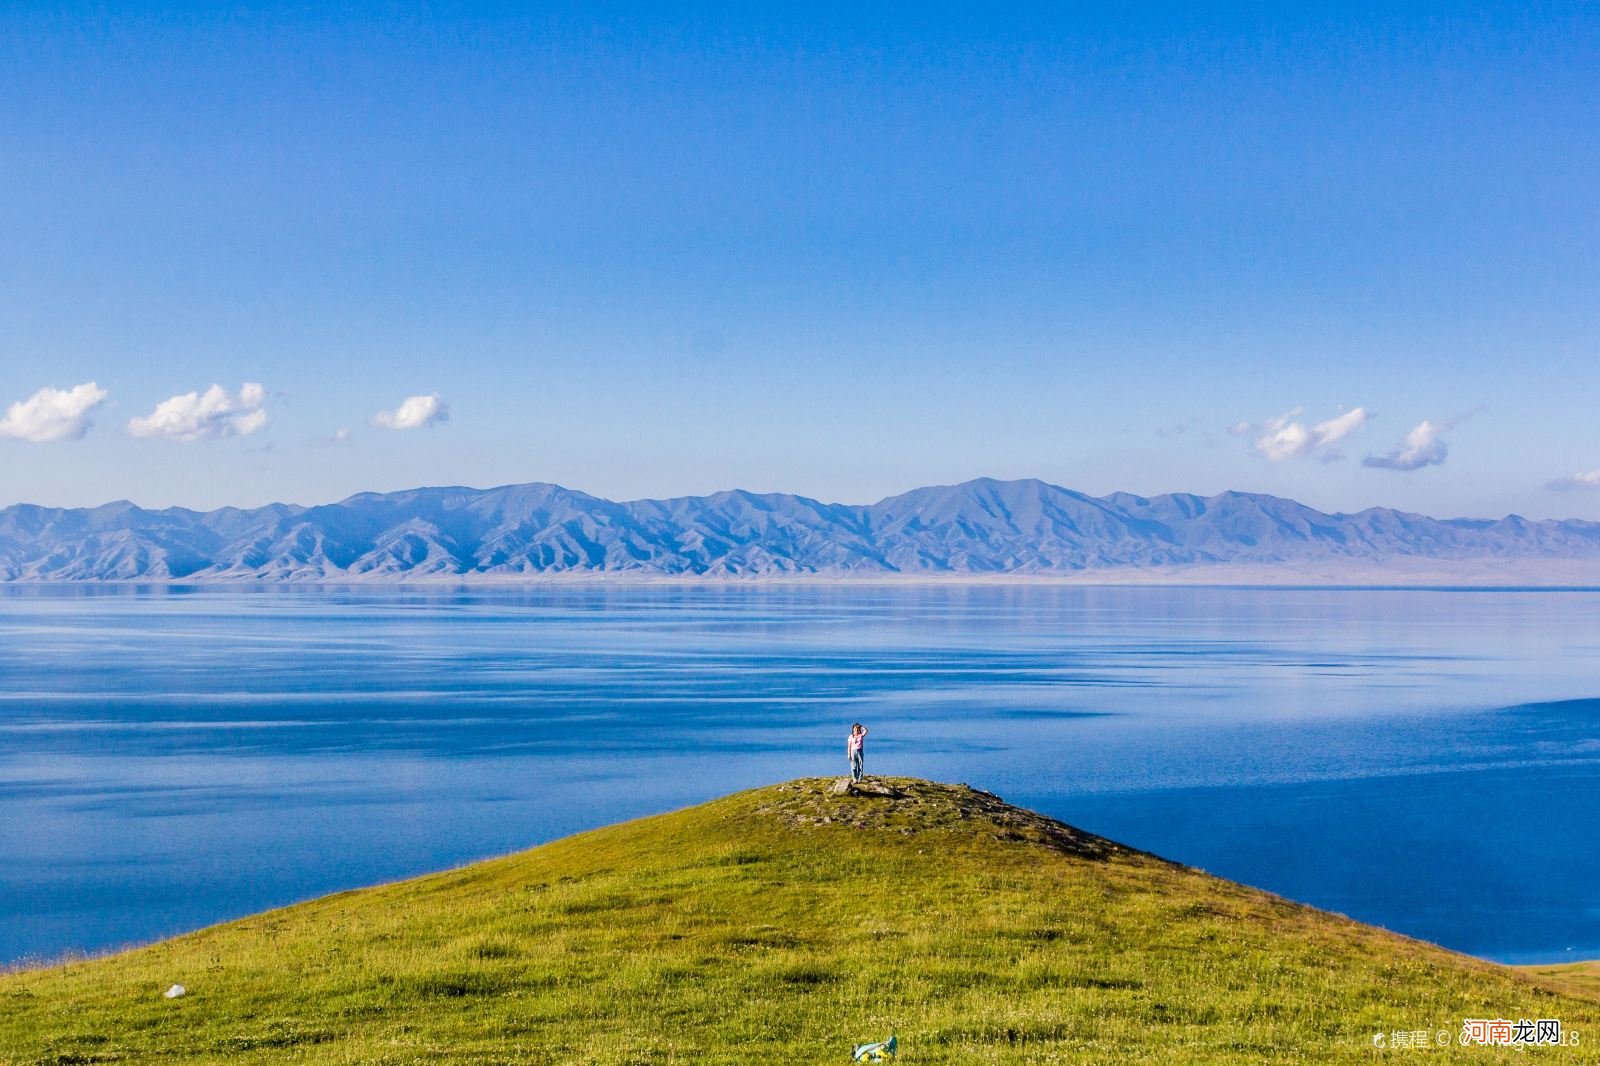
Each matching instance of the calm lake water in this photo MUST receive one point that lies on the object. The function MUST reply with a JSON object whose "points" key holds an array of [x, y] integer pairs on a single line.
{"points": [[1427, 761]]}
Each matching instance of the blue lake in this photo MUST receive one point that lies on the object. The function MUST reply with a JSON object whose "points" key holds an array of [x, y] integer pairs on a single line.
{"points": [[1425, 760]]}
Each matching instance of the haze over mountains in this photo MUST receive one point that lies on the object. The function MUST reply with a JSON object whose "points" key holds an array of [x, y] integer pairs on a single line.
{"points": [[978, 529]]}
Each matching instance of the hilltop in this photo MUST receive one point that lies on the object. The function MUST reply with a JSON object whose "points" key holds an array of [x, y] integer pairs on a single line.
{"points": [[780, 925], [981, 529]]}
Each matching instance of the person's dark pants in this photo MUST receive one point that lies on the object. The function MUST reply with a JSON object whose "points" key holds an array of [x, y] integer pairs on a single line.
{"points": [[856, 763]]}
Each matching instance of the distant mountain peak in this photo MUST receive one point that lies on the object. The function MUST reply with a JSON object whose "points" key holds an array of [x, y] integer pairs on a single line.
{"points": [[986, 527]]}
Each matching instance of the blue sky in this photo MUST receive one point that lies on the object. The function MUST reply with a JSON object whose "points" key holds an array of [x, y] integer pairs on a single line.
{"points": [[836, 250]]}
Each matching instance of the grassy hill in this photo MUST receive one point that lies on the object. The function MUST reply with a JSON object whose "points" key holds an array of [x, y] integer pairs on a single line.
{"points": [[780, 925], [1579, 978]]}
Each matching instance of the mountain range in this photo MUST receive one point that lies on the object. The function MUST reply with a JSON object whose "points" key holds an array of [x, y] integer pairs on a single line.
{"points": [[979, 529]]}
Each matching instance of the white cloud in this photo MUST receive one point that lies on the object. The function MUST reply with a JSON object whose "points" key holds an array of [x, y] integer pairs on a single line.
{"points": [[1284, 438], [1417, 449], [415, 413], [52, 414], [339, 438], [1423, 446], [205, 416], [1589, 479]]}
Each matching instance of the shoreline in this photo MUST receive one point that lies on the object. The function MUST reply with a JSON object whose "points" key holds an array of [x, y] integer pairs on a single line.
{"points": [[1555, 577]]}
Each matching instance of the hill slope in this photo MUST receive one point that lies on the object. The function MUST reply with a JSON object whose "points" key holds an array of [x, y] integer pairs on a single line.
{"points": [[979, 528], [780, 925]]}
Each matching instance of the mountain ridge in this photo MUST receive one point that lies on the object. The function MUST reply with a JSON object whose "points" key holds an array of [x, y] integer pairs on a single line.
{"points": [[980, 529]]}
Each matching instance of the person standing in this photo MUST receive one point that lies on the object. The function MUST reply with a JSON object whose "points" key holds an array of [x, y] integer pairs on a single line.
{"points": [[856, 748]]}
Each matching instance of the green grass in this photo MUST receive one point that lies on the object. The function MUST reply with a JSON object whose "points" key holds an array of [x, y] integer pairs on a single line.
{"points": [[779, 926], [1579, 978]]}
